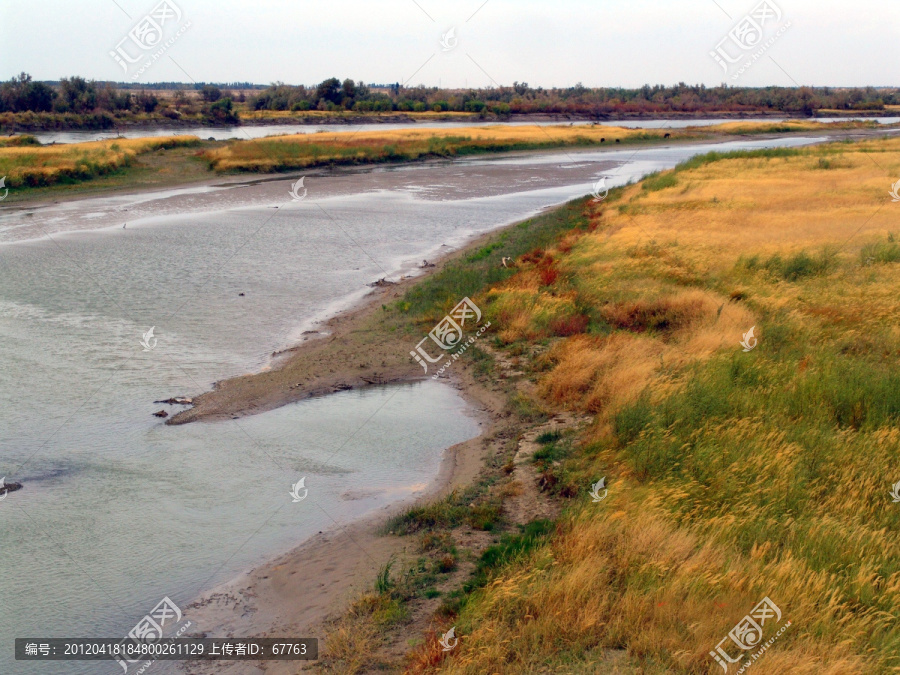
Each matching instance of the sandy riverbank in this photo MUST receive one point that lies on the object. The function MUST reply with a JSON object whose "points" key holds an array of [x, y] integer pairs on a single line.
{"points": [[295, 594], [349, 351]]}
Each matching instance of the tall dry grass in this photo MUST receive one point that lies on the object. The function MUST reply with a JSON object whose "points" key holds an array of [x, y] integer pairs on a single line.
{"points": [[733, 475], [33, 166], [304, 150], [737, 128], [300, 151]]}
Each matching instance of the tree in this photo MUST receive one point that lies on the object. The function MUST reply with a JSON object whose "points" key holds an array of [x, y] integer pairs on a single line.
{"points": [[78, 94], [329, 90], [221, 111], [501, 109], [349, 89], [210, 94], [146, 102]]}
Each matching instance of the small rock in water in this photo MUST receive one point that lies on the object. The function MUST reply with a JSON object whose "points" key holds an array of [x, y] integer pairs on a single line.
{"points": [[240, 295], [160, 413], [6, 488], [177, 400]]}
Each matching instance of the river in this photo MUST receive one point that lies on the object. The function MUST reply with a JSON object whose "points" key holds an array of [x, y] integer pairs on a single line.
{"points": [[119, 510]]}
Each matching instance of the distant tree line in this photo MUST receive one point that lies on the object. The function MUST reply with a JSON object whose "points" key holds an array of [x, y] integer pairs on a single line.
{"points": [[333, 94], [80, 96]]}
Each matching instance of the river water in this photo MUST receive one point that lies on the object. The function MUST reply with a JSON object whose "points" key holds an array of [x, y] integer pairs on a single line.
{"points": [[119, 510]]}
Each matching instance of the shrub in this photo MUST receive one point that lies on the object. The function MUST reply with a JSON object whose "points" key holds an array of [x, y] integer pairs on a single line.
{"points": [[880, 252], [801, 265], [569, 325], [549, 275]]}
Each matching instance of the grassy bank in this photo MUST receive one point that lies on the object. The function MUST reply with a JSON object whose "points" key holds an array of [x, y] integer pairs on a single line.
{"points": [[300, 151], [28, 165], [733, 475], [32, 169], [286, 153], [791, 126]]}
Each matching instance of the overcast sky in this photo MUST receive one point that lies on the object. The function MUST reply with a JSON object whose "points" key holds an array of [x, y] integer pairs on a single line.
{"points": [[542, 42]]}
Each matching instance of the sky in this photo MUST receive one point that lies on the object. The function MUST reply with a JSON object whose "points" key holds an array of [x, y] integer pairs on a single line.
{"points": [[549, 43]]}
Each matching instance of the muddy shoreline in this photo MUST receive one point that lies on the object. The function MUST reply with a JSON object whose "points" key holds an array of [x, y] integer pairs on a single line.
{"points": [[299, 592], [348, 351]]}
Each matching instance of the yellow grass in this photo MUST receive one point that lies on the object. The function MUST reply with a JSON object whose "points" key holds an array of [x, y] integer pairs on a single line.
{"points": [[32, 166], [733, 128], [303, 150], [771, 488], [299, 151]]}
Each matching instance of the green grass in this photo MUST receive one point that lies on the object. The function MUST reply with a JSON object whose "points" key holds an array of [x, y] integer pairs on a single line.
{"points": [[880, 251], [801, 265], [793, 267], [714, 156], [548, 437], [511, 548], [659, 181], [383, 582], [433, 297], [469, 507]]}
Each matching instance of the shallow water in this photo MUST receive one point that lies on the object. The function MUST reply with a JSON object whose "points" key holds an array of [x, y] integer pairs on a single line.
{"points": [[263, 130], [119, 510]]}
